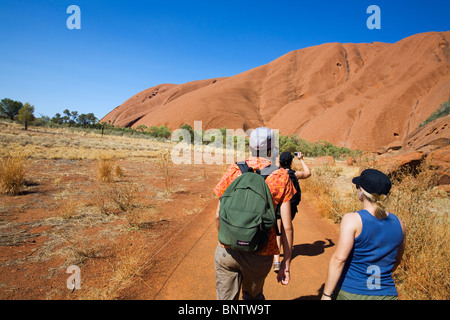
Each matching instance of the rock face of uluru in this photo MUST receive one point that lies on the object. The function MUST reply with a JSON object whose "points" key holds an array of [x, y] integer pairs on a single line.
{"points": [[362, 96]]}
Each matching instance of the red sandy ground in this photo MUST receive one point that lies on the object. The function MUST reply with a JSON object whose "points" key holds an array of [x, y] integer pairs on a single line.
{"points": [[186, 264], [176, 250]]}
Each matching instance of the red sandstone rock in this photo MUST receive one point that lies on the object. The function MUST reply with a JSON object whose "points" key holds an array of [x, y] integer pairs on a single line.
{"points": [[362, 96]]}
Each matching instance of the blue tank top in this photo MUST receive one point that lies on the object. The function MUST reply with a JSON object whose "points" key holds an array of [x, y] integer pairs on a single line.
{"points": [[368, 269]]}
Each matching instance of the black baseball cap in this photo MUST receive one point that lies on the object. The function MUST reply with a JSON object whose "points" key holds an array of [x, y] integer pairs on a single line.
{"points": [[286, 158], [374, 182]]}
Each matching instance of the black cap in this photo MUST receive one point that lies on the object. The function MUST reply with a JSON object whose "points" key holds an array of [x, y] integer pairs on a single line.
{"points": [[374, 182], [286, 159]]}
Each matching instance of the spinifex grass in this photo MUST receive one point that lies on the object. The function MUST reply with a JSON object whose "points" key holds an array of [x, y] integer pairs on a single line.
{"points": [[12, 173]]}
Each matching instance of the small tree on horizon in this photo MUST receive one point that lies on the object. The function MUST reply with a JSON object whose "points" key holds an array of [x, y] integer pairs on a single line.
{"points": [[26, 115], [70, 117], [10, 108]]}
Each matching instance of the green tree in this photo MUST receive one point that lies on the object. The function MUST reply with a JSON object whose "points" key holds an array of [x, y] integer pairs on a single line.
{"points": [[10, 108], [87, 120], [83, 120], [26, 115], [57, 119], [74, 116], [70, 117], [92, 119], [66, 118]]}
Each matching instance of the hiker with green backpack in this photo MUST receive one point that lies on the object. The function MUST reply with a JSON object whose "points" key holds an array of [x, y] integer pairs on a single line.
{"points": [[250, 191]]}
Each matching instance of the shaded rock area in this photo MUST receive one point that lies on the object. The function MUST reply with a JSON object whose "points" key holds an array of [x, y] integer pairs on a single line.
{"points": [[428, 143]]}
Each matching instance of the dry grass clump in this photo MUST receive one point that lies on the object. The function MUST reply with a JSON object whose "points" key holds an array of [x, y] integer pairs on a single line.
{"points": [[113, 198], [320, 188], [12, 173], [119, 172], [105, 169], [67, 209], [82, 248], [126, 262], [423, 273], [164, 165]]}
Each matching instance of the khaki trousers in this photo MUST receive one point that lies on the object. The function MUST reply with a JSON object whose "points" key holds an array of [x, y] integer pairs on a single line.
{"points": [[235, 269], [344, 295]]}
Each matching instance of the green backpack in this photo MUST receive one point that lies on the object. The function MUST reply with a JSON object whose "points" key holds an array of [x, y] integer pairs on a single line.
{"points": [[246, 210]]}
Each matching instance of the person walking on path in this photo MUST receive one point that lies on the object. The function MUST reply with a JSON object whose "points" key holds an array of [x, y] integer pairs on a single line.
{"points": [[286, 163], [370, 246], [235, 269]]}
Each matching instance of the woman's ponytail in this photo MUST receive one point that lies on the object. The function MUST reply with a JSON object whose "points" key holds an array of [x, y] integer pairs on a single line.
{"points": [[379, 201]]}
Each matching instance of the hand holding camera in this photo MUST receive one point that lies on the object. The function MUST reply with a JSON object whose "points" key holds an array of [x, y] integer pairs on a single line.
{"points": [[299, 155]]}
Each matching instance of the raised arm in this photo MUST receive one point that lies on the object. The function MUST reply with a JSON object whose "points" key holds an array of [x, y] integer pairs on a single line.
{"points": [[306, 173]]}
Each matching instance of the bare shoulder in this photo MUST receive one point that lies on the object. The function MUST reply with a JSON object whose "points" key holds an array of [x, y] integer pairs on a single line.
{"points": [[351, 216], [351, 221]]}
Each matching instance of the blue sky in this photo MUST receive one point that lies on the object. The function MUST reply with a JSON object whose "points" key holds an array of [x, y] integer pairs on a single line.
{"points": [[124, 47]]}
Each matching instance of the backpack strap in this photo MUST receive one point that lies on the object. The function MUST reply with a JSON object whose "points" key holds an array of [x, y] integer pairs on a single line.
{"points": [[243, 166], [267, 171]]}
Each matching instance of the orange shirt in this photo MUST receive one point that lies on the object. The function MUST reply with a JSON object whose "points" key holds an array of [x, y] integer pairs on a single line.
{"points": [[279, 184]]}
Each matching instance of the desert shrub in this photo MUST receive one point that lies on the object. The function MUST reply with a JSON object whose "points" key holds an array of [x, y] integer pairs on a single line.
{"points": [[314, 149], [159, 132], [123, 195], [163, 132], [12, 173], [116, 198], [289, 146]]}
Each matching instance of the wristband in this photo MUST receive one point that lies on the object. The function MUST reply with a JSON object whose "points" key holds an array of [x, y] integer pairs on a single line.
{"points": [[326, 295]]}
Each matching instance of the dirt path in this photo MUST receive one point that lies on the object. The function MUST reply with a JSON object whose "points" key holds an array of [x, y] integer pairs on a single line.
{"points": [[183, 269]]}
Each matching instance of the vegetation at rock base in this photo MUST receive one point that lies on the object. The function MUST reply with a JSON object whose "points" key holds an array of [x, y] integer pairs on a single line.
{"points": [[441, 112]]}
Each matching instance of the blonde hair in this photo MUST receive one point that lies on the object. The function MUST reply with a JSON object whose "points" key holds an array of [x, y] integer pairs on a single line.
{"points": [[379, 201]]}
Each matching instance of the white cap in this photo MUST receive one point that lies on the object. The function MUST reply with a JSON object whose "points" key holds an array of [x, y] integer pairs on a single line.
{"points": [[261, 139]]}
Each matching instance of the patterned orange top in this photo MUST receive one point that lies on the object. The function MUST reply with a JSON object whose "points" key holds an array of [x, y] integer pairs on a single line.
{"points": [[280, 187]]}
